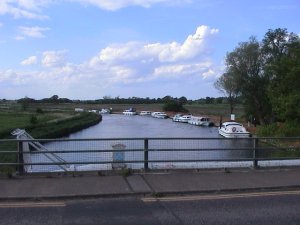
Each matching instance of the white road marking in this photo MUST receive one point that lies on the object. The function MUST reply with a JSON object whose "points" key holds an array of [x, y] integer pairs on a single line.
{"points": [[31, 204], [219, 196]]}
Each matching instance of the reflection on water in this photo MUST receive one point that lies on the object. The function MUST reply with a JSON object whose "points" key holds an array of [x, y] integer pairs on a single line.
{"points": [[120, 126]]}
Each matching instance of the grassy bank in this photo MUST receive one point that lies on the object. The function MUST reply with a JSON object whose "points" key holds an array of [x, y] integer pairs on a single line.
{"points": [[287, 129], [62, 128], [47, 126]]}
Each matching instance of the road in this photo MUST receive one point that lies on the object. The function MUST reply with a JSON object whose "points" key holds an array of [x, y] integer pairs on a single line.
{"points": [[237, 208]]}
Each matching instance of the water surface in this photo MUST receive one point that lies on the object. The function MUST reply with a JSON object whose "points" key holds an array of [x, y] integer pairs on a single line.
{"points": [[120, 126]]}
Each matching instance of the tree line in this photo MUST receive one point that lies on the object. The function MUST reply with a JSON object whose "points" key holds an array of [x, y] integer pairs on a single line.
{"points": [[265, 76], [131, 100]]}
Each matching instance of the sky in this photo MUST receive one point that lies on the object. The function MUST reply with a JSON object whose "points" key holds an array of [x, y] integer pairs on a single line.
{"points": [[87, 49]]}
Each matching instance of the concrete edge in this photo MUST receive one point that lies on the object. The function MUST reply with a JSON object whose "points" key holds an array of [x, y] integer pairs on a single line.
{"points": [[148, 194]]}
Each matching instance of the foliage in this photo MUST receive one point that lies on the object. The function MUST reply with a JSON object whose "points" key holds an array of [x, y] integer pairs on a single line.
{"points": [[287, 129], [117, 100], [229, 87], [33, 119], [39, 110], [174, 106], [64, 127], [282, 50], [266, 76]]}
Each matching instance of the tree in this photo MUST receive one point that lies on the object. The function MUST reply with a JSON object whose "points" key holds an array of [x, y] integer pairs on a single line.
{"points": [[183, 100], [167, 98], [282, 55], [228, 85], [266, 75], [54, 97], [25, 102], [245, 66]]}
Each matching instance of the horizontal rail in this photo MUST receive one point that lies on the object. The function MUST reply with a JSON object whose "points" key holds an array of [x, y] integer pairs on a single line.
{"points": [[148, 138], [152, 150], [129, 161], [149, 161]]}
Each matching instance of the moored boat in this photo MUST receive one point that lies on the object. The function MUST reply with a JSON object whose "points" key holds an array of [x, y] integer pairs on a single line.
{"points": [[130, 112], [160, 115], [233, 130], [105, 111], [145, 113], [201, 121], [176, 117], [184, 118]]}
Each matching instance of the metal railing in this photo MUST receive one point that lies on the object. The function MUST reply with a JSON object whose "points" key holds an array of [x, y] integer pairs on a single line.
{"points": [[49, 155]]}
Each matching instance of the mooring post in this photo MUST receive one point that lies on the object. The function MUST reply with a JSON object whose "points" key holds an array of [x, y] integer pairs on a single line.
{"points": [[255, 145], [146, 145], [20, 158]]}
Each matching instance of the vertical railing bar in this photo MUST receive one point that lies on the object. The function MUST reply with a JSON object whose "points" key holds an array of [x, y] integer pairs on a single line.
{"points": [[146, 154], [255, 143], [20, 158]]}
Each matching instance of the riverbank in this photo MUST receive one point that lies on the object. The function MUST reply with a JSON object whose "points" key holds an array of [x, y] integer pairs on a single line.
{"points": [[54, 128], [49, 125]]}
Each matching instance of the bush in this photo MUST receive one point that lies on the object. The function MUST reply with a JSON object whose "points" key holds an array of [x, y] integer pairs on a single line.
{"points": [[33, 119], [174, 106], [39, 110], [279, 130]]}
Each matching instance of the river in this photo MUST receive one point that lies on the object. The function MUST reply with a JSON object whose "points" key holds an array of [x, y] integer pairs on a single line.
{"points": [[120, 126]]}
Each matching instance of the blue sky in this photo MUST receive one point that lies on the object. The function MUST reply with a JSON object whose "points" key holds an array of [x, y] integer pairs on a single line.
{"points": [[87, 49]]}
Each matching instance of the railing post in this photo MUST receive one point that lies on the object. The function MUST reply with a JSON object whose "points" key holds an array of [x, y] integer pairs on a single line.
{"points": [[255, 145], [20, 158], [146, 166]]}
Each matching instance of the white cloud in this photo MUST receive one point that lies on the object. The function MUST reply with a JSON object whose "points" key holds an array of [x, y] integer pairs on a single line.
{"points": [[179, 70], [29, 61], [54, 58], [13, 78], [32, 9], [134, 64], [193, 46], [118, 4], [35, 5], [33, 32], [155, 61], [19, 9]]}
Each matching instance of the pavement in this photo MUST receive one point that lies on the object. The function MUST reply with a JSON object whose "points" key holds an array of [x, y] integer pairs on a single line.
{"points": [[157, 183]]}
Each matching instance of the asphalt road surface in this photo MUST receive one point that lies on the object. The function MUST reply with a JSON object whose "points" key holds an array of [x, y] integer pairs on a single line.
{"points": [[244, 208]]}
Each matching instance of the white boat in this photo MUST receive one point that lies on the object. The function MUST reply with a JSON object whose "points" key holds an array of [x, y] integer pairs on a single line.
{"points": [[176, 117], [160, 115], [130, 112], [154, 113], [184, 118], [145, 113], [233, 130], [201, 121], [105, 111]]}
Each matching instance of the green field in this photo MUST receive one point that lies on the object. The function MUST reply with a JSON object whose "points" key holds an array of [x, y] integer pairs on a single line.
{"points": [[12, 120]]}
